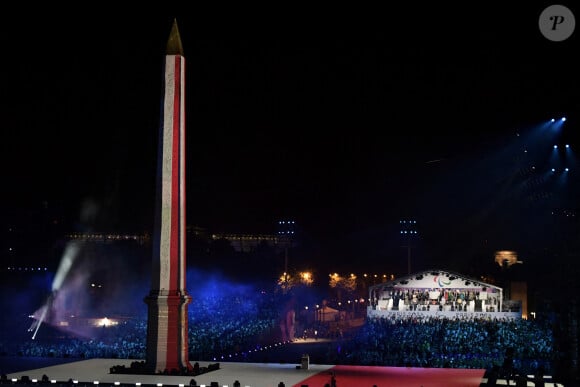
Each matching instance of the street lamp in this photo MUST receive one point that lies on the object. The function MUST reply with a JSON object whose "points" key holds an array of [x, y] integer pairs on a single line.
{"points": [[306, 278]]}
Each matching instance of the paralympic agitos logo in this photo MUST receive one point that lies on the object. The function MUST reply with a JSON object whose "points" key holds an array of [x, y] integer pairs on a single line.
{"points": [[440, 281]]}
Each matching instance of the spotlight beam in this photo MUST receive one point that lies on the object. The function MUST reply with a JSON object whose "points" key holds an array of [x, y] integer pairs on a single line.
{"points": [[68, 258]]}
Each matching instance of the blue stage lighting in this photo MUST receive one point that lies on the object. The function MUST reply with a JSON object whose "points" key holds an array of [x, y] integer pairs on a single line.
{"points": [[553, 170], [567, 146], [566, 169], [563, 118], [552, 120], [555, 146]]}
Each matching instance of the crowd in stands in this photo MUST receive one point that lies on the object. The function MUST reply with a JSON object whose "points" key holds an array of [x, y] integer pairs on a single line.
{"points": [[225, 325], [461, 342], [216, 325]]}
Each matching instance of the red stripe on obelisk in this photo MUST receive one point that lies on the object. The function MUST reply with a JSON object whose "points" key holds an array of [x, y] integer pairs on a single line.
{"points": [[174, 265], [175, 180]]}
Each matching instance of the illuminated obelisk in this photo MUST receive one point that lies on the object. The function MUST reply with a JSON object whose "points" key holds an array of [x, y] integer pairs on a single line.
{"points": [[167, 346]]}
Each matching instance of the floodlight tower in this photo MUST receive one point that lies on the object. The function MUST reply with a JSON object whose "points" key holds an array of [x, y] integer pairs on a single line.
{"points": [[286, 231], [408, 232]]}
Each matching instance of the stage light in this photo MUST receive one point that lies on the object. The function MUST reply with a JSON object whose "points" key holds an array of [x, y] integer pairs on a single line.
{"points": [[566, 169], [563, 118], [553, 170], [552, 120], [555, 146], [567, 146]]}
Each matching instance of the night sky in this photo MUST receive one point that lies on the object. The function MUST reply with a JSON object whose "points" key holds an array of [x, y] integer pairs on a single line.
{"points": [[346, 127]]}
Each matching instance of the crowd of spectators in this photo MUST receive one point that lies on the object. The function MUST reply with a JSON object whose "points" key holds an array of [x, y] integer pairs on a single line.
{"points": [[216, 325], [221, 325], [462, 342]]}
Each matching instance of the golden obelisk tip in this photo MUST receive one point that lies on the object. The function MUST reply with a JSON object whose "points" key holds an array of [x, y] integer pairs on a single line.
{"points": [[174, 46]]}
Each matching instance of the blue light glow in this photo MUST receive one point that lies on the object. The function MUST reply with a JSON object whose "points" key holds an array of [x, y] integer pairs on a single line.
{"points": [[563, 118]]}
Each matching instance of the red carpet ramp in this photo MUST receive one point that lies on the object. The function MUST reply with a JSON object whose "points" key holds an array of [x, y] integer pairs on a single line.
{"points": [[369, 376]]}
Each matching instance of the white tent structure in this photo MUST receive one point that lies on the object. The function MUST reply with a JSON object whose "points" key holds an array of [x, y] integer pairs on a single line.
{"points": [[439, 292], [327, 314]]}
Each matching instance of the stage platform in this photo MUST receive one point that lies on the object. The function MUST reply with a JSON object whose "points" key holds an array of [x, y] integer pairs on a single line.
{"points": [[268, 368], [94, 372], [248, 374]]}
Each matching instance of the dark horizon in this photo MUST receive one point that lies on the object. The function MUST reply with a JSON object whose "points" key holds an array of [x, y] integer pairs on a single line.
{"points": [[345, 130]]}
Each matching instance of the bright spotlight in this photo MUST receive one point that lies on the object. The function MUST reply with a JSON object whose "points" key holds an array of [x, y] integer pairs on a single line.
{"points": [[563, 118], [555, 146], [552, 120], [567, 146], [553, 170], [566, 169]]}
